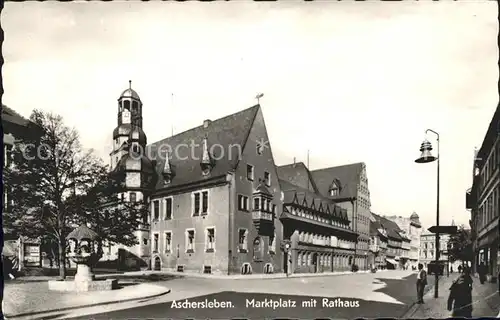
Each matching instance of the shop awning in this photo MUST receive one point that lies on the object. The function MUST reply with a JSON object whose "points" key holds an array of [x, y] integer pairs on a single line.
{"points": [[391, 261]]}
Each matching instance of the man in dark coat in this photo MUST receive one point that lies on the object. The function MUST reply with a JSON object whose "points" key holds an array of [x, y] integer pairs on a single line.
{"points": [[421, 283], [482, 270], [460, 298]]}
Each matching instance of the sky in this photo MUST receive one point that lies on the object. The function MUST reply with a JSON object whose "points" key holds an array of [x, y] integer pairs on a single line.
{"points": [[348, 81]]}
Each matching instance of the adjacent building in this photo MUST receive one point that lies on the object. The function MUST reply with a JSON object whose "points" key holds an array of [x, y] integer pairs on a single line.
{"points": [[394, 243], [428, 250], [322, 239], [347, 186], [378, 243], [24, 250], [411, 228], [483, 199]]}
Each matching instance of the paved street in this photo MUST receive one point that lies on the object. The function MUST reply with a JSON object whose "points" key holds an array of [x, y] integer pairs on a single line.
{"points": [[384, 294]]}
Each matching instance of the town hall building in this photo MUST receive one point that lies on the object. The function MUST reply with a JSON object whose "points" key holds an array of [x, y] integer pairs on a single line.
{"points": [[213, 190]]}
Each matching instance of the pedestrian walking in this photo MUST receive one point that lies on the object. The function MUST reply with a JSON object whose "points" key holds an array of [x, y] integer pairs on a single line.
{"points": [[421, 283], [8, 267], [460, 298], [482, 270]]}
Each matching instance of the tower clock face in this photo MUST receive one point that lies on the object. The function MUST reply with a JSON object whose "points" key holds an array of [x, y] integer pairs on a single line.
{"points": [[126, 116]]}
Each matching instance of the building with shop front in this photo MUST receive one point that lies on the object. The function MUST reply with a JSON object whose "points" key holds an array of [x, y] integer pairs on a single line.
{"points": [[378, 243], [483, 200], [347, 185], [25, 251], [394, 243], [428, 250], [213, 191], [319, 230], [412, 229]]}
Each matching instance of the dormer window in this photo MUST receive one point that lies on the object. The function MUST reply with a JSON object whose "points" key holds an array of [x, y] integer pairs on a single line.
{"points": [[334, 188]]}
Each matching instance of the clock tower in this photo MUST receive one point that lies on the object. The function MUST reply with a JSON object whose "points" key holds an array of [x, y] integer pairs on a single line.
{"points": [[129, 159]]}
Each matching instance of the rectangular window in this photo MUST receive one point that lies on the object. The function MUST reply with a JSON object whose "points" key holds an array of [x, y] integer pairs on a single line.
{"points": [[190, 241], [196, 204], [133, 197], [204, 207], [256, 204], [200, 203], [156, 210], [210, 240], [242, 203], [168, 208], [242, 240], [168, 242], [155, 242], [250, 172], [267, 178]]}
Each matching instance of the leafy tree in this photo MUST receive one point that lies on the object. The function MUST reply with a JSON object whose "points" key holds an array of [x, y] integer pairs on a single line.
{"points": [[55, 185], [460, 245], [108, 214]]}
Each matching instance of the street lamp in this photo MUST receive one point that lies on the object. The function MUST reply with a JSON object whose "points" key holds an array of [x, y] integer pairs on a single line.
{"points": [[427, 157]]}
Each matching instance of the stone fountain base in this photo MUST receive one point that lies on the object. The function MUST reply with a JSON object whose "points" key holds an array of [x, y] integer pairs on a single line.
{"points": [[84, 281], [83, 286]]}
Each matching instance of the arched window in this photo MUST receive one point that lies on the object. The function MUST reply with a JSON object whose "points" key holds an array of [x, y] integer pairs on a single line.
{"points": [[135, 107], [246, 268], [258, 253], [268, 268]]}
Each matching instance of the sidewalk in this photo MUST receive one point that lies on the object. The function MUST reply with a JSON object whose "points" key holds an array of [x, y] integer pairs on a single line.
{"points": [[34, 298], [252, 276], [485, 301]]}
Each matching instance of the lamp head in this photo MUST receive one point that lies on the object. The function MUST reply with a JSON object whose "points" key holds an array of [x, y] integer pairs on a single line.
{"points": [[426, 155]]}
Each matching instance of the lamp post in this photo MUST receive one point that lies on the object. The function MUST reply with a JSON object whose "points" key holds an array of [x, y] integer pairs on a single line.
{"points": [[427, 157]]}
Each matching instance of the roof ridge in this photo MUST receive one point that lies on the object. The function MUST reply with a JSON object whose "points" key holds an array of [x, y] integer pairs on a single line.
{"points": [[334, 167], [197, 127]]}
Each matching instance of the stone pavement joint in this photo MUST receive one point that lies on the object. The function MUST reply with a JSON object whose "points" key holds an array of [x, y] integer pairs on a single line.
{"points": [[15, 304], [485, 301]]}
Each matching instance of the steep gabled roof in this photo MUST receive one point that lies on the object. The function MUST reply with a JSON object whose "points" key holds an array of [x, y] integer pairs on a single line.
{"points": [[392, 229], [230, 133], [12, 116], [348, 175], [297, 174], [300, 196], [13, 122]]}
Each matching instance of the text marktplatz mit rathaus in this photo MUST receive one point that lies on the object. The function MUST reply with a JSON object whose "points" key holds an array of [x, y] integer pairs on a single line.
{"points": [[267, 303]]}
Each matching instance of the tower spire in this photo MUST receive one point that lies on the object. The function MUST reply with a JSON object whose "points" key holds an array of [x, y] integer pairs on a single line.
{"points": [[130, 84]]}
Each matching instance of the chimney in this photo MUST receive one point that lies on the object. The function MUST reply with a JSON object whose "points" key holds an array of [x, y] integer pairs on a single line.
{"points": [[206, 123]]}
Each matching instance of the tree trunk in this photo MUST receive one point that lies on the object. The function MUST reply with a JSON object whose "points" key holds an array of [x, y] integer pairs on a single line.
{"points": [[62, 258]]}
